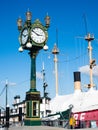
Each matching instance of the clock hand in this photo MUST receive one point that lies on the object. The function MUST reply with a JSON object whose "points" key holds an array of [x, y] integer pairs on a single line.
{"points": [[37, 33], [25, 35]]}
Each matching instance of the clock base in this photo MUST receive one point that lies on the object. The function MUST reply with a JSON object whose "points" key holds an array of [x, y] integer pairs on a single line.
{"points": [[32, 108], [32, 122]]}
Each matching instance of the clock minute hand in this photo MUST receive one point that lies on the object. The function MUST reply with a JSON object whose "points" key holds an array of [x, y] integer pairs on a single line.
{"points": [[25, 35], [36, 33]]}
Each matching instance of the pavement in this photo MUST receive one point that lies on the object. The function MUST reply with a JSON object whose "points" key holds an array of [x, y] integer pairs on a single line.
{"points": [[44, 128], [36, 128]]}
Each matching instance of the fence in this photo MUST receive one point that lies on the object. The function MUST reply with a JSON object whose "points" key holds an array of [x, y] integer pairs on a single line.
{"points": [[65, 123]]}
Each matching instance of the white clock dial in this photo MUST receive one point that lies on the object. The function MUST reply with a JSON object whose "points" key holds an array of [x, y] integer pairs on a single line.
{"points": [[38, 35], [24, 36]]}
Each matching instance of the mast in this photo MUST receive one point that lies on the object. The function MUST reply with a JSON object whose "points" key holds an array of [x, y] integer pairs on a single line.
{"points": [[44, 90], [55, 51], [89, 38], [44, 83]]}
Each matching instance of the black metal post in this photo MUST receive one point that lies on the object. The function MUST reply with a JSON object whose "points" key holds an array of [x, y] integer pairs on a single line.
{"points": [[20, 115], [7, 117], [0, 116]]}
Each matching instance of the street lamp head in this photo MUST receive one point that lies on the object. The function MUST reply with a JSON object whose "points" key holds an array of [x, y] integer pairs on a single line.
{"points": [[47, 21], [29, 45], [28, 16], [45, 48], [20, 49], [19, 24]]}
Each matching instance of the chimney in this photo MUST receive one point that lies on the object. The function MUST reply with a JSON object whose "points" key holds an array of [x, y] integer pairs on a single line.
{"points": [[77, 81]]}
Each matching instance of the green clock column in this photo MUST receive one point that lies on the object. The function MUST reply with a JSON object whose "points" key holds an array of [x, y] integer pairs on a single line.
{"points": [[33, 37], [33, 96]]}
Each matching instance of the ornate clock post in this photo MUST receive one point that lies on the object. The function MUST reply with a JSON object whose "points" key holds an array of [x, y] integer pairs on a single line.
{"points": [[33, 37]]}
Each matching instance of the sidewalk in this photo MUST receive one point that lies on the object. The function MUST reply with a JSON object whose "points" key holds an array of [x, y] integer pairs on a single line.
{"points": [[44, 128], [35, 128]]}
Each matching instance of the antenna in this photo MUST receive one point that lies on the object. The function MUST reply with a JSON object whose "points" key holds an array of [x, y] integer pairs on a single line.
{"points": [[85, 23], [57, 37]]}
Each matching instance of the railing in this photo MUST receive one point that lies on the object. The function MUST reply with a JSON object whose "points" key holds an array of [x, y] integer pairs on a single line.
{"points": [[65, 123], [56, 123]]}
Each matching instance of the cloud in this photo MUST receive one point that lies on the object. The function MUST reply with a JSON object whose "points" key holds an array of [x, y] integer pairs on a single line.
{"points": [[95, 70], [85, 70]]}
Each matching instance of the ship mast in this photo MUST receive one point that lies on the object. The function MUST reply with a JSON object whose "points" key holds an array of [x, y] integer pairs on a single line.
{"points": [[89, 38], [55, 51], [44, 83], [44, 91]]}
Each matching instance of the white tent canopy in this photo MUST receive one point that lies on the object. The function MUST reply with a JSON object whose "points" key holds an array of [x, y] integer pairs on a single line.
{"points": [[81, 101]]}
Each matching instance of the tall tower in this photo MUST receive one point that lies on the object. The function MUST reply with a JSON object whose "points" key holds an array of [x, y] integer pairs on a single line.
{"points": [[55, 51]]}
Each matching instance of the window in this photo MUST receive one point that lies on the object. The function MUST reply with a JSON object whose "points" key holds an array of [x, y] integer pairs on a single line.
{"points": [[35, 108], [28, 108]]}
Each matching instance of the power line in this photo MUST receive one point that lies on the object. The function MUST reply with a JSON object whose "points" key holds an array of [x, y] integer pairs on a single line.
{"points": [[2, 91], [73, 59]]}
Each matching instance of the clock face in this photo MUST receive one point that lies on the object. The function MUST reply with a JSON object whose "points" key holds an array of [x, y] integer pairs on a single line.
{"points": [[24, 36], [38, 35]]}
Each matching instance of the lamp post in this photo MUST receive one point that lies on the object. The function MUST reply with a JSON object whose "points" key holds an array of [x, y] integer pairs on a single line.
{"points": [[33, 37]]}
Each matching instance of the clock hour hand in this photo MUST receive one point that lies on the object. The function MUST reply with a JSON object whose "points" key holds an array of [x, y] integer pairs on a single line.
{"points": [[36, 33], [25, 35]]}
